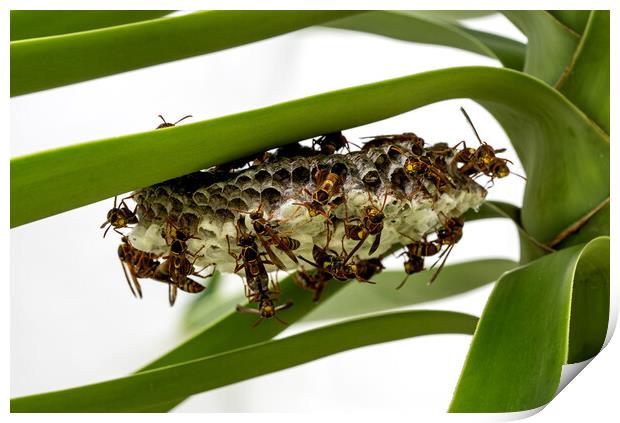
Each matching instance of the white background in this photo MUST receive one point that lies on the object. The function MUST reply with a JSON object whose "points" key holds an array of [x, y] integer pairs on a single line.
{"points": [[73, 320]]}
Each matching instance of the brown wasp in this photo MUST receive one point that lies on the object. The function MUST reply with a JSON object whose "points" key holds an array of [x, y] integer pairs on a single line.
{"points": [[268, 235], [336, 265], [417, 143], [179, 231], [421, 167], [184, 284], [416, 251], [266, 308], [329, 183], [449, 234], [315, 282], [136, 264], [177, 268], [413, 264], [119, 217], [481, 160], [330, 143], [256, 277], [366, 269], [371, 224], [168, 124]]}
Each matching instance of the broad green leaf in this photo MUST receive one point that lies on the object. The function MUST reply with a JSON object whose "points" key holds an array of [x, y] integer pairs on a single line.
{"points": [[145, 391], [422, 28], [574, 19], [550, 44], [223, 334], [456, 15], [585, 81], [212, 304], [491, 209], [546, 130], [539, 317], [43, 63], [510, 53], [356, 299], [43, 23]]}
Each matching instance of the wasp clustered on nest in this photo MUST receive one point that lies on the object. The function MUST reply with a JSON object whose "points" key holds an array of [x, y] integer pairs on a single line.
{"points": [[300, 208]]}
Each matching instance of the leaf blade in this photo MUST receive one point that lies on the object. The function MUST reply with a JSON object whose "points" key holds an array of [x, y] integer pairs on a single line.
{"points": [[44, 23], [529, 312], [424, 28], [586, 79], [550, 43], [44, 63], [146, 390]]}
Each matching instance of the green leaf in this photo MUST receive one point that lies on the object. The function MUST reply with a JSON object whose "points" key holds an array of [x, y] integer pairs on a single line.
{"points": [[539, 317], [456, 15], [43, 23], [146, 390], [422, 28], [356, 299], [43, 63], [546, 130], [491, 209], [550, 44], [574, 19], [585, 80], [212, 304], [222, 334]]}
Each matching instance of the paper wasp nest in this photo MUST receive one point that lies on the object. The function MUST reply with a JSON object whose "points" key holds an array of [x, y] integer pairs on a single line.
{"points": [[210, 202]]}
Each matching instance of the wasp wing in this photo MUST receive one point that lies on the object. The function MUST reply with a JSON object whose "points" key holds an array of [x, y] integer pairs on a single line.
{"points": [[274, 259], [172, 293], [375, 244]]}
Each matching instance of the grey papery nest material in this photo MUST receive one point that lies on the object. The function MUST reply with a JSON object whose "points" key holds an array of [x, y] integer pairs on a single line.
{"points": [[210, 203]]}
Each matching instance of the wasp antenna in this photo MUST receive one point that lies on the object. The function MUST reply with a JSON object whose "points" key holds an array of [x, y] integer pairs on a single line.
{"points": [[162, 118], [403, 282], [447, 250], [471, 124], [442, 264], [309, 262], [183, 118], [520, 176], [106, 231]]}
